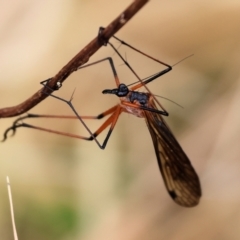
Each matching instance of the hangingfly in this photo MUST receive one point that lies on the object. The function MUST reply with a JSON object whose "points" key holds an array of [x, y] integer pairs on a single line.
{"points": [[179, 176]]}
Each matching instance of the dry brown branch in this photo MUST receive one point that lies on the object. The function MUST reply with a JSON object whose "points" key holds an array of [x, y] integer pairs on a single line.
{"points": [[81, 58]]}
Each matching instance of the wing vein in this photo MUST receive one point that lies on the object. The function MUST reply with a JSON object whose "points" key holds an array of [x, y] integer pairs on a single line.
{"points": [[178, 174]]}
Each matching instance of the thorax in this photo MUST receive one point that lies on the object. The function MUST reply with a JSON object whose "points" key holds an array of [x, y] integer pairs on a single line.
{"points": [[136, 98]]}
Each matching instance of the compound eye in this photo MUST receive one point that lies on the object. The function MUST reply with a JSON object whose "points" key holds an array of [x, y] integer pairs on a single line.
{"points": [[123, 87], [123, 90]]}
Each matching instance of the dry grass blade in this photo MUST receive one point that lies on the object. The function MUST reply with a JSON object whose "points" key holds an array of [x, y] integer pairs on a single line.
{"points": [[11, 209]]}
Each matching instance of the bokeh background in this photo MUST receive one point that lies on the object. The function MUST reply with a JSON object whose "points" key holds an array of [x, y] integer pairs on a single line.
{"points": [[70, 189]]}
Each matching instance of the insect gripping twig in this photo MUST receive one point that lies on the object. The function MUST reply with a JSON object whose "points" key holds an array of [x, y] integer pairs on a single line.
{"points": [[180, 178]]}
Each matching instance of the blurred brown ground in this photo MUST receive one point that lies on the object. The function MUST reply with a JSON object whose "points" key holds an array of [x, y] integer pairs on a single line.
{"points": [[69, 189]]}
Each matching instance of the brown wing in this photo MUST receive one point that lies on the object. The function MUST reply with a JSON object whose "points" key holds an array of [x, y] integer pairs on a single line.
{"points": [[178, 174]]}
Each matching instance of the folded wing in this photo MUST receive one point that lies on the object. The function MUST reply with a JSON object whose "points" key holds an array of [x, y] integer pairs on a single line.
{"points": [[178, 174]]}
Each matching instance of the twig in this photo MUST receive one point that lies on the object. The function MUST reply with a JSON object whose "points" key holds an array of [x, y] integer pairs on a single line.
{"points": [[81, 58]]}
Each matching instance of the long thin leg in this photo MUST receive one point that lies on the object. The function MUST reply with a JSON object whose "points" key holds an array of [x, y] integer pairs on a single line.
{"points": [[112, 120], [139, 51], [59, 85], [32, 115], [105, 42], [111, 65], [18, 123], [149, 79]]}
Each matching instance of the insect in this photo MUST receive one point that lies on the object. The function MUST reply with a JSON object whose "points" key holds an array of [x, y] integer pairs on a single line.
{"points": [[180, 178]]}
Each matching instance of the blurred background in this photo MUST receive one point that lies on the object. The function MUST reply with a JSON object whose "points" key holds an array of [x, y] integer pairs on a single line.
{"points": [[66, 188]]}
